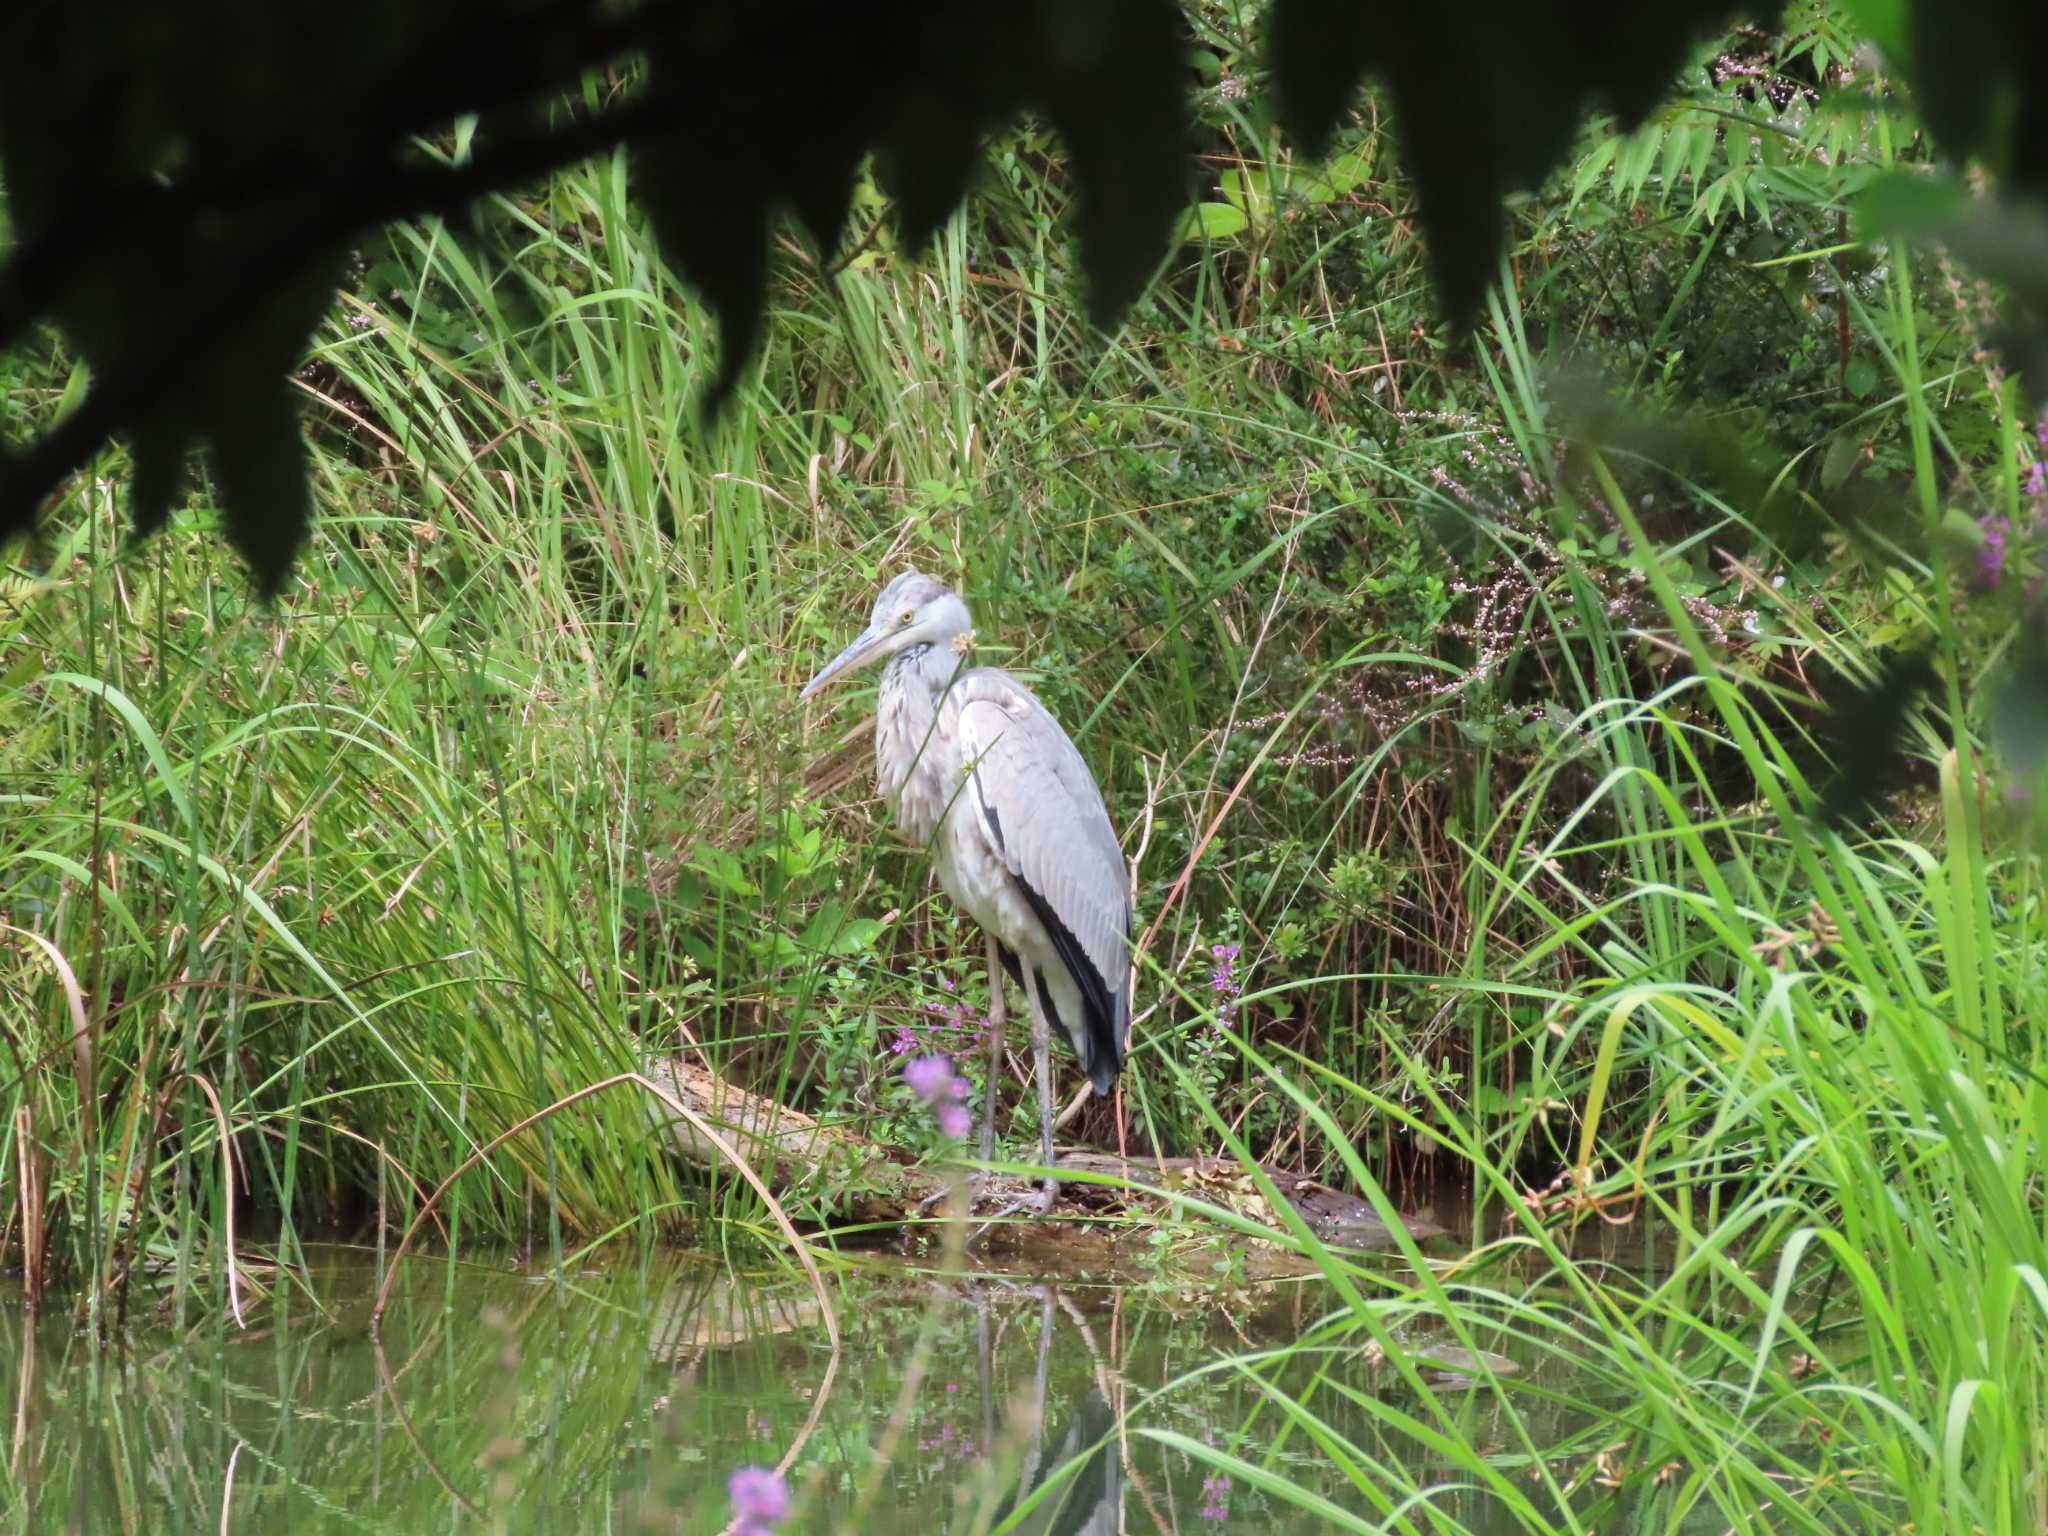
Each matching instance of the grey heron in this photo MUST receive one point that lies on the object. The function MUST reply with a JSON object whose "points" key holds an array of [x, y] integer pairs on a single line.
{"points": [[977, 770]]}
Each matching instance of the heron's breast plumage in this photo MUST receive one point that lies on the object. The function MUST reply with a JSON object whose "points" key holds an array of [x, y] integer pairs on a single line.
{"points": [[918, 764], [913, 761]]}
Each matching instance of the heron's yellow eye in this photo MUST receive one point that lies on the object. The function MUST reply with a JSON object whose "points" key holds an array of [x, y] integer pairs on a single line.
{"points": [[903, 620]]}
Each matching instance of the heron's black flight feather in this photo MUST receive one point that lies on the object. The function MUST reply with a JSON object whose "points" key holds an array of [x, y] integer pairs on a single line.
{"points": [[1102, 1055]]}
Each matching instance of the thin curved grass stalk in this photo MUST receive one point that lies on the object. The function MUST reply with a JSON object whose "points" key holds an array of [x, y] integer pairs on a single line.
{"points": [[725, 1148], [28, 1199], [227, 1192], [81, 1041], [389, 1383]]}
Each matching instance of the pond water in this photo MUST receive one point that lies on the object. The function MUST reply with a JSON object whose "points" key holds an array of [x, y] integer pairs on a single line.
{"points": [[494, 1399]]}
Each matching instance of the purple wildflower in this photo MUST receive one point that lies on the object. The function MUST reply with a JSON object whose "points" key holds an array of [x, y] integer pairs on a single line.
{"points": [[1224, 983], [933, 1079], [1224, 989], [953, 1029], [1994, 531], [1216, 1498], [949, 1444], [930, 1078], [760, 1500]]}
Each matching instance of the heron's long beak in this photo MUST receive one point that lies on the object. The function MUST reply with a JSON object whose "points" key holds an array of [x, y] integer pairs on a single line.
{"points": [[863, 647]]}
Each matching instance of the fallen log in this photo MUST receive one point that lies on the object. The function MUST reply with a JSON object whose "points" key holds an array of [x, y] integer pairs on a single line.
{"points": [[829, 1175], [822, 1173]]}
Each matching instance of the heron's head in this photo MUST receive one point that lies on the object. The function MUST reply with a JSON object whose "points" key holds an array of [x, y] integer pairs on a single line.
{"points": [[912, 610]]}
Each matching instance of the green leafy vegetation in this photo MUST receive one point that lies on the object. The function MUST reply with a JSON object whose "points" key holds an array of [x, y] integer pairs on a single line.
{"points": [[186, 243], [1501, 724]]}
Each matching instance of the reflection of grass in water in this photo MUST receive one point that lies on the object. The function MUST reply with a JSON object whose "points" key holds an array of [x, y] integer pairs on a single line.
{"points": [[628, 1401]]}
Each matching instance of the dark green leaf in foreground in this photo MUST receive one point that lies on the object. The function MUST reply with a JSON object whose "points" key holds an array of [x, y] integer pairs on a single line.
{"points": [[1115, 85], [191, 313], [161, 448], [1976, 71], [1486, 96], [261, 470], [182, 178], [2001, 238], [957, 73], [1863, 735], [2019, 707], [773, 110], [758, 110]]}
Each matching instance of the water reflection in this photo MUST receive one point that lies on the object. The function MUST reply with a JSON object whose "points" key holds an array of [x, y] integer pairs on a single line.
{"points": [[491, 1400]]}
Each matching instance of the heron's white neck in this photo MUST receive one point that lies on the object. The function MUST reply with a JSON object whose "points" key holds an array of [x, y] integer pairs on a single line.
{"points": [[927, 668], [911, 757]]}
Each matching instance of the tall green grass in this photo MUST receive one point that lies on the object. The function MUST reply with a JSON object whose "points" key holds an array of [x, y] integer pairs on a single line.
{"points": [[1505, 797], [511, 789], [1796, 1057]]}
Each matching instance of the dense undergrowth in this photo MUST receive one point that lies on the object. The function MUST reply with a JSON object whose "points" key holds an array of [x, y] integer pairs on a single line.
{"points": [[1472, 748]]}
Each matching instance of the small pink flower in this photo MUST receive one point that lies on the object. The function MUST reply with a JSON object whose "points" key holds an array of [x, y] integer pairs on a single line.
{"points": [[760, 1500], [930, 1077], [1215, 1498], [1994, 532], [933, 1079]]}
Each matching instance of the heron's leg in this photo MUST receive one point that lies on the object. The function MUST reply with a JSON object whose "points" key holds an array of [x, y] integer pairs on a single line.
{"points": [[998, 1020], [998, 1024], [1041, 1047], [1028, 1474], [984, 1371]]}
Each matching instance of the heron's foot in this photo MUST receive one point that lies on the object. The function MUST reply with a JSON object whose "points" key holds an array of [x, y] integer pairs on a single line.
{"points": [[976, 1183], [1038, 1201]]}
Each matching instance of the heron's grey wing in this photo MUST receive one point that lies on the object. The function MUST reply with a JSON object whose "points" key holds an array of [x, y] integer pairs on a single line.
{"points": [[1034, 794]]}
